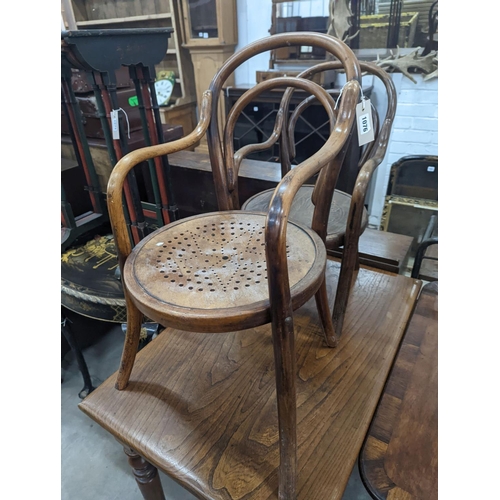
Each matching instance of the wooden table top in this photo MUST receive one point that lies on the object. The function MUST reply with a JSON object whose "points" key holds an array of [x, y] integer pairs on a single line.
{"points": [[399, 458], [202, 407], [382, 250]]}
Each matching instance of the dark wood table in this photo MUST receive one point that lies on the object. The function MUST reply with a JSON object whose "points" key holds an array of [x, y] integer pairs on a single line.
{"points": [[399, 458]]}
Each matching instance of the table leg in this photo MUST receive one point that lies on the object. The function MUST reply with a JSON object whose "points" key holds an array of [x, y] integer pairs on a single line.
{"points": [[70, 338], [146, 476]]}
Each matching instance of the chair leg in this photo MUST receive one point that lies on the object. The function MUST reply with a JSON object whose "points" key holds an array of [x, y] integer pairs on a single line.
{"points": [[131, 345], [348, 267], [146, 476], [324, 313], [285, 366]]}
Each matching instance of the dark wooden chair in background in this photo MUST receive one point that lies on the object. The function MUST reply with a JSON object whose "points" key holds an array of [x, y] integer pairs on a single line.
{"points": [[231, 270], [348, 217], [412, 196], [425, 265]]}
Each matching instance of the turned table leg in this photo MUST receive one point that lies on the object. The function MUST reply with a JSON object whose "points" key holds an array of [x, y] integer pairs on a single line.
{"points": [[146, 476]]}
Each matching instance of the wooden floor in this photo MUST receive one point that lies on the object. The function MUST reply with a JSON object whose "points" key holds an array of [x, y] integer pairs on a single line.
{"points": [[202, 407]]}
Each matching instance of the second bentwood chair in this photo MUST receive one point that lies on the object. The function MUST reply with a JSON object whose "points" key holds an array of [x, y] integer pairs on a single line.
{"points": [[232, 270], [348, 217]]}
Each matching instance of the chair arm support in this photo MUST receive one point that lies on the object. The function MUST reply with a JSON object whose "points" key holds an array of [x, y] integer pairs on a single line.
{"points": [[359, 195], [286, 190], [243, 152], [129, 161], [299, 109], [232, 161], [362, 182]]}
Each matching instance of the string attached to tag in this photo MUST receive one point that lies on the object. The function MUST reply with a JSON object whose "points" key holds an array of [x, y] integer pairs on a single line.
{"points": [[363, 98], [340, 95], [115, 128]]}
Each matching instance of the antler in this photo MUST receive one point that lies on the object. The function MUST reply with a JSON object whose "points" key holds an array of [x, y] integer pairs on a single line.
{"points": [[347, 37], [427, 64], [434, 74], [340, 19]]}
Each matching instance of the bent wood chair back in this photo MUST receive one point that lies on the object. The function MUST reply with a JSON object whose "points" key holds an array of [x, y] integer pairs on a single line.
{"points": [[223, 170], [233, 159], [370, 161], [366, 151]]}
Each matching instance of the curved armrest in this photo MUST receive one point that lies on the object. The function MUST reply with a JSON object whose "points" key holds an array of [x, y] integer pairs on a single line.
{"points": [[129, 161], [363, 180], [376, 156], [244, 151], [286, 190]]}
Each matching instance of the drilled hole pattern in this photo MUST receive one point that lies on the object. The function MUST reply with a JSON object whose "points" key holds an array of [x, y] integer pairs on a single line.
{"points": [[216, 259]]}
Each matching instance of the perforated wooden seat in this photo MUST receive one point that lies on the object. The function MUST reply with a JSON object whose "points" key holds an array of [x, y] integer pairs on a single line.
{"points": [[206, 272], [302, 211]]}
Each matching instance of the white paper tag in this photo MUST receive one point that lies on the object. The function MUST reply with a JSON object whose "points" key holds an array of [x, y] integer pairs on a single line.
{"points": [[114, 124], [365, 122]]}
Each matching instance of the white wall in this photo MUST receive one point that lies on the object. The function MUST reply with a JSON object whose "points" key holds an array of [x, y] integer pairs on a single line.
{"points": [[254, 22], [415, 128], [415, 132]]}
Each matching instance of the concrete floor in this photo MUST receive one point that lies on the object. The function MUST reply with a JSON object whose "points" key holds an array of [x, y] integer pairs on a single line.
{"points": [[93, 465]]}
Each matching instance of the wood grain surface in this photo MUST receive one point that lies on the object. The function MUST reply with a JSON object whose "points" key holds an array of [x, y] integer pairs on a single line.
{"points": [[399, 458], [202, 407]]}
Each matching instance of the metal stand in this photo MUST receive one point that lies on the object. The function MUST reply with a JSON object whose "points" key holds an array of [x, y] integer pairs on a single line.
{"points": [[82, 365]]}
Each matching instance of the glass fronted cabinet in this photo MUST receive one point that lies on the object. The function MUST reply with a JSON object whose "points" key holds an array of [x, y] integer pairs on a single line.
{"points": [[209, 22]]}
